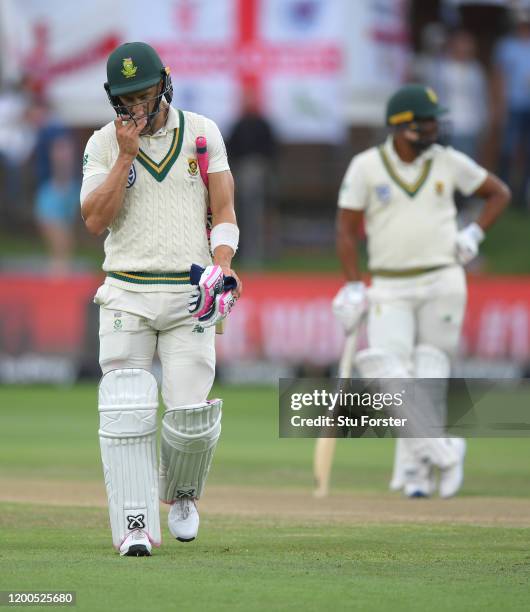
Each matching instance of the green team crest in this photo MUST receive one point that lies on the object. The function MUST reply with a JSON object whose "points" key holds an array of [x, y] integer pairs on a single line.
{"points": [[129, 69]]}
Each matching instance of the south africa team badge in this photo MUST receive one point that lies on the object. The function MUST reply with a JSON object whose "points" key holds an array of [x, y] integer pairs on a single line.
{"points": [[131, 178]]}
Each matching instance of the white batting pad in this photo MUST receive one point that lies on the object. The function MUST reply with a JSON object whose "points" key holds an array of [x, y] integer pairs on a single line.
{"points": [[128, 401], [402, 459], [421, 414], [189, 438], [431, 362], [378, 363], [438, 451]]}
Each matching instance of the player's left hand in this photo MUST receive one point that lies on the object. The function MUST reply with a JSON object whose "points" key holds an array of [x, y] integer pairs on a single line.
{"points": [[216, 293], [467, 243]]}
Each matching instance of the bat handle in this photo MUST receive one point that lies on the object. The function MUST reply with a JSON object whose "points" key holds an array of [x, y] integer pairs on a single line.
{"points": [[202, 158]]}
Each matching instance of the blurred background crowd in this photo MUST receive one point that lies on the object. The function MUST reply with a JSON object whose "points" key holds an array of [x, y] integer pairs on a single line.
{"points": [[476, 55], [297, 86]]}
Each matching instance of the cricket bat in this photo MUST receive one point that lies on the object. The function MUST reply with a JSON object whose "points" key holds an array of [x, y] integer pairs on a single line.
{"points": [[203, 160], [325, 447]]}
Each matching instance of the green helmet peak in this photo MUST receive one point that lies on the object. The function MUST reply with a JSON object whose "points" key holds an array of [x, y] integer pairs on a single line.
{"points": [[412, 102]]}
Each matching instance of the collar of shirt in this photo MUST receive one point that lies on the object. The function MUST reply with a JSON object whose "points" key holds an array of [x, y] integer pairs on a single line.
{"points": [[172, 122], [397, 161]]}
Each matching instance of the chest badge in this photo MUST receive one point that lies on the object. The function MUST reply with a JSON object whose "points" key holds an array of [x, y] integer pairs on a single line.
{"points": [[439, 188], [383, 193], [131, 178], [193, 167]]}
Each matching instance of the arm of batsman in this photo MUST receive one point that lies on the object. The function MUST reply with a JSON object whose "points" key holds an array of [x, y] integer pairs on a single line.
{"points": [[213, 300], [350, 304]]}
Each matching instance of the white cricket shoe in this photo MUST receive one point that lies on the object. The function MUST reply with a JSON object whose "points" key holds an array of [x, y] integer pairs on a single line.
{"points": [[183, 519], [419, 480], [451, 478], [136, 544]]}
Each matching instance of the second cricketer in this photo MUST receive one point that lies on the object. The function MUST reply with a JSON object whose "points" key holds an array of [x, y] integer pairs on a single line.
{"points": [[404, 189]]}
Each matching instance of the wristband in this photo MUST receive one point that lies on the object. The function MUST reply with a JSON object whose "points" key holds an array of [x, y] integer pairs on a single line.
{"points": [[224, 233]]}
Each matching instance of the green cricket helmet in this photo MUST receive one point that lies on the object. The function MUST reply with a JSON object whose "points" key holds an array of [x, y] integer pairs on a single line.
{"points": [[411, 103], [133, 67]]}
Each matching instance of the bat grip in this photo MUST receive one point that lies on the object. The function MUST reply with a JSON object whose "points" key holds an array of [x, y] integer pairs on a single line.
{"points": [[202, 157]]}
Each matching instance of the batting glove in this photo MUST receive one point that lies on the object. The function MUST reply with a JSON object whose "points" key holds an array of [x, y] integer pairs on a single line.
{"points": [[467, 243], [349, 305], [213, 300]]}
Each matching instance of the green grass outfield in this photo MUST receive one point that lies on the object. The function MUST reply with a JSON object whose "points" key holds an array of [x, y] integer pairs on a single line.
{"points": [[268, 560]]}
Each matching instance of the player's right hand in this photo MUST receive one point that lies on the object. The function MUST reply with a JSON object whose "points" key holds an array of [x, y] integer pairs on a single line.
{"points": [[128, 135], [349, 305]]}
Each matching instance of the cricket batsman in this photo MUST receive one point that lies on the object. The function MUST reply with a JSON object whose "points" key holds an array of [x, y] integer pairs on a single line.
{"points": [[141, 183], [404, 190]]}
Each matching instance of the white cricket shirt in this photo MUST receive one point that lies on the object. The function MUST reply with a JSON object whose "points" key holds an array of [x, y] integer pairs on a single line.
{"points": [[161, 226], [409, 208]]}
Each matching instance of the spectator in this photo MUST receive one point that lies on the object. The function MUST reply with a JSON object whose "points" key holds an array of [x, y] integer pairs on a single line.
{"points": [[511, 88], [58, 204], [460, 82], [427, 62], [252, 149], [48, 127], [17, 141], [464, 91]]}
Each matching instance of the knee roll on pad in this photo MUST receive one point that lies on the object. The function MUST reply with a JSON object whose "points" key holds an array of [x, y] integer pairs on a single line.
{"points": [[378, 363], [189, 437], [128, 402], [431, 362]]}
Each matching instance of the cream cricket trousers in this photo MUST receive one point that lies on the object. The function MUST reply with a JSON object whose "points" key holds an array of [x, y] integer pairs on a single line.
{"points": [[424, 309], [134, 325]]}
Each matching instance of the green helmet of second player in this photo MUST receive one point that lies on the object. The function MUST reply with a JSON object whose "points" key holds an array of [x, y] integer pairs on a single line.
{"points": [[413, 102]]}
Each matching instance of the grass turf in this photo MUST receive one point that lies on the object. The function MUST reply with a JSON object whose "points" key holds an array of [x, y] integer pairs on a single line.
{"points": [[257, 565], [49, 432], [253, 564]]}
